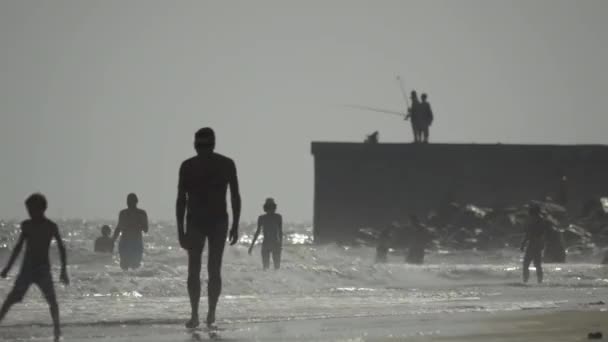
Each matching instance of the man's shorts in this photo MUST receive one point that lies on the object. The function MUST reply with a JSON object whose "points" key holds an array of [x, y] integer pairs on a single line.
{"points": [[214, 232], [42, 278]]}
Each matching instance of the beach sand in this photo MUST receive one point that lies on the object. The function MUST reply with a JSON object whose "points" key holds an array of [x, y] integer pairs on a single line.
{"points": [[505, 326]]}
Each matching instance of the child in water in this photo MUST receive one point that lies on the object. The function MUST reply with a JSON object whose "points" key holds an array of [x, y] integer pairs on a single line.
{"points": [[104, 243], [36, 234], [272, 225]]}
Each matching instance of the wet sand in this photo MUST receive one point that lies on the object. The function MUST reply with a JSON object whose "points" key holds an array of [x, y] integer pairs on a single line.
{"points": [[505, 326]]}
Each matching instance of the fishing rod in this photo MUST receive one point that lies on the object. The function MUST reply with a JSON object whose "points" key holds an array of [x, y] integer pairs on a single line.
{"points": [[379, 110], [403, 93]]}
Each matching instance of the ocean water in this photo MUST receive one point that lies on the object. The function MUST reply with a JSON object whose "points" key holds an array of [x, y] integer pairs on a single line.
{"points": [[314, 282]]}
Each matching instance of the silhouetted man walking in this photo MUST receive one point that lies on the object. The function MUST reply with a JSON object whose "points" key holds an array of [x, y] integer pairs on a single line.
{"points": [[201, 197], [425, 120]]}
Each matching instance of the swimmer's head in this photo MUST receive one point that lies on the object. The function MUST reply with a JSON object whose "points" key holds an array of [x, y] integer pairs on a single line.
{"points": [[204, 140], [270, 206], [105, 230], [132, 200], [36, 205]]}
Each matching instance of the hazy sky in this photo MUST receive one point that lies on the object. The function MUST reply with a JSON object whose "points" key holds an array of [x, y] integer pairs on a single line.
{"points": [[101, 98]]}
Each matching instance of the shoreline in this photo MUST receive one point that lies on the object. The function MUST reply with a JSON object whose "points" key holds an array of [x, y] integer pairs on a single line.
{"points": [[525, 325]]}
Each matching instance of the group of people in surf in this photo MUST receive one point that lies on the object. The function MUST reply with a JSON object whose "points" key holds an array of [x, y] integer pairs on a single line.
{"points": [[415, 235], [133, 222], [202, 217], [538, 234]]}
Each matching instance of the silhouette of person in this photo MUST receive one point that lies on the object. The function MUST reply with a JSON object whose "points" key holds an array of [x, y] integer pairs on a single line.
{"points": [[202, 186], [534, 242], [383, 246], [418, 239], [132, 222], [36, 234], [104, 243], [271, 224], [562, 195], [414, 115], [554, 247], [426, 119]]}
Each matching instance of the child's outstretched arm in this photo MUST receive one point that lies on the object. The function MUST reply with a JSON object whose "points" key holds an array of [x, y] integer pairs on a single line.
{"points": [[63, 255], [14, 255], [255, 236]]}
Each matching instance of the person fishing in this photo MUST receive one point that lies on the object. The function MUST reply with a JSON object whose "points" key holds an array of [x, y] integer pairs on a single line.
{"points": [[132, 223], [414, 115], [425, 120]]}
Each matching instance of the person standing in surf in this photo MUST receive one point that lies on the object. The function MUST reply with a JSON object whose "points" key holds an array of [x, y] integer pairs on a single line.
{"points": [[104, 243], [132, 223], [534, 242], [419, 237], [271, 224], [201, 199]]}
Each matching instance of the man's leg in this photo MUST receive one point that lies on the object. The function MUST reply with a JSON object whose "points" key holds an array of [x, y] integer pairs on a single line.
{"points": [[539, 267], [138, 254], [15, 296], [217, 242], [265, 257], [276, 257], [123, 252], [194, 283], [526, 266], [8, 303], [415, 132], [48, 290], [425, 134]]}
